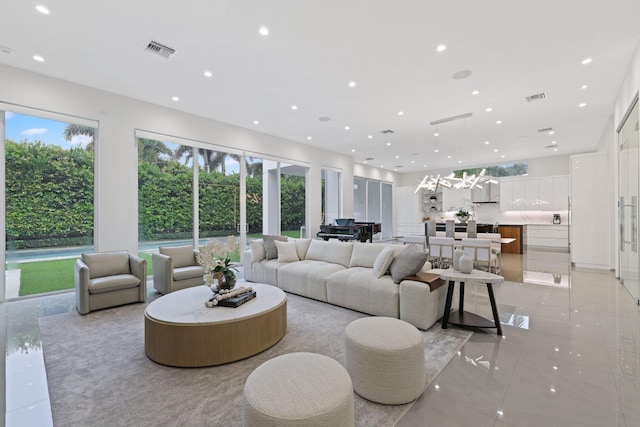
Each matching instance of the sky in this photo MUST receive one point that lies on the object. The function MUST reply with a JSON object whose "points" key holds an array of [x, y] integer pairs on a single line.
{"points": [[20, 127]]}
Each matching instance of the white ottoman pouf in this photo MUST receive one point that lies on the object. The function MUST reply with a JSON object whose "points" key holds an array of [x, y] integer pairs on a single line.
{"points": [[385, 358], [298, 389]]}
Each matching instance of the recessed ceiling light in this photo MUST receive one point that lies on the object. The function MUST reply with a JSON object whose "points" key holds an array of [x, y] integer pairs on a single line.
{"points": [[309, 138], [365, 162], [352, 84], [582, 104], [294, 107], [436, 150], [554, 142], [499, 122], [503, 156], [413, 161], [347, 128], [448, 157], [555, 149], [584, 87], [459, 161], [42, 9], [495, 150], [370, 136], [397, 157], [264, 31], [255, 122], [436, 134], [388, 144], [487, 142], [586, 61], [208, 73], [424, 166], [489, 109], [401, 113], [551, 132], [441, 48], [38, 58], [381, 166], [475, 92], [175, 98], [353, 150]]}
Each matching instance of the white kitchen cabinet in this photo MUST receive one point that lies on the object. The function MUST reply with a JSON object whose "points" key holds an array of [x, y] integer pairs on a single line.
{"points": [[534, 194], [531, 199], [560, 193], [548, 236]]}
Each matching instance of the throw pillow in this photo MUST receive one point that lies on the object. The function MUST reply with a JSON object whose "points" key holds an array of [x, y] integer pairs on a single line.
{"points": [[257, 251], [302, 246], [382, 262], [287, 251], [408, 263], [270, 249]]}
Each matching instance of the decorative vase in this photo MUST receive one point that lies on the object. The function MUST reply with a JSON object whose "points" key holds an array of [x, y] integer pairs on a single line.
{"points": [[457, 254], [227, 281], [463, 219], [465, 264]]}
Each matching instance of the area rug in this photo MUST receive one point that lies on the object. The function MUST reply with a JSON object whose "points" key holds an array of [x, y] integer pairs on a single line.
{"points": [[98, 373]]}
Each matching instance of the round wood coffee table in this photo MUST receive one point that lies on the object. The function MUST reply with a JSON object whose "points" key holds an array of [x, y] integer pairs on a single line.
{"points": [[180, 331]]}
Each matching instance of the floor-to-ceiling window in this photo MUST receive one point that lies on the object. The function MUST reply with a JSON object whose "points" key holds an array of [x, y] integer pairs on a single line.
{"points": [[48, 199], [331, 195], [254, 196], [372, 202], [293, 199], [165, 195]]}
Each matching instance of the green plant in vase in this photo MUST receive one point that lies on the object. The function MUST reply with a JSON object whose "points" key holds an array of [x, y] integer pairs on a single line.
{"points": [[463, 215], [214, 257]]}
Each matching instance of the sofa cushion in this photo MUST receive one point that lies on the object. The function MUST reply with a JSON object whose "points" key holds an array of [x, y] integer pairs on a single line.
{"points": [[101, 285], [408, 263], [181, 256], [189, 272], [307, 278], [333, 252], [257, 251], [365, 254], [107, 263], [383, 261], [287, 251], [302, 246], [270, 249], [357, 288]]}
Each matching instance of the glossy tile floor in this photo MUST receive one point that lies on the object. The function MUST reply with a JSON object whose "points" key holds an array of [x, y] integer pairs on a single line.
{"points": [[570, 354]]}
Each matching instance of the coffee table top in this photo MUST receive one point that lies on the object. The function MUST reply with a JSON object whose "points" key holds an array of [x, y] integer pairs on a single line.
{"points": [[186, 306]]}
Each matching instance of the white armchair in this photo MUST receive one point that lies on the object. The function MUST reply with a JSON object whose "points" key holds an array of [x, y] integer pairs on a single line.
{"points": [[175, 268], [109, 279]]}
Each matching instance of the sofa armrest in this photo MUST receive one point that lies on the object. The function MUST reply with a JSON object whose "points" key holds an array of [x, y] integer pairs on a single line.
{"points": [[139, 269], [247, 261], [81, 282], [162, 273]]}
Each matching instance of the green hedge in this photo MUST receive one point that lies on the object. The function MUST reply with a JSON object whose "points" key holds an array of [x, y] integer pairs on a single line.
{"points": [[49, 194]]}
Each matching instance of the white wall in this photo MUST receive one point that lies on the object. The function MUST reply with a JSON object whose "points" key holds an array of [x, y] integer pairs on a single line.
{"points": [[116, 153]]}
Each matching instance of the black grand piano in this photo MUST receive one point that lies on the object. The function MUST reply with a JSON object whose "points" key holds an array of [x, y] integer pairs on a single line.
{"points": [[349, 229]]}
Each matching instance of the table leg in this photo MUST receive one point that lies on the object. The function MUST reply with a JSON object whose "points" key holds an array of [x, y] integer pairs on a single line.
{"points": [[447, 305], [494, 308], [461, 302]]}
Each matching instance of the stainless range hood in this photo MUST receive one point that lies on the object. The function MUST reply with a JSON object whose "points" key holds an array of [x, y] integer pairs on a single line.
{"points": [[489, 193]]}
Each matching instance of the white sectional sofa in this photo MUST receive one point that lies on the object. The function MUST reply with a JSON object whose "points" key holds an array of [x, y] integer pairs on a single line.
{"points": [[345, 274]]}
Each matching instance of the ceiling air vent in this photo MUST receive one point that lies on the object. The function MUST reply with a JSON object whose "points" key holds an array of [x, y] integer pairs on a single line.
{"points": [[536, 97], [386, 131], [545, 130], [160, 49]]}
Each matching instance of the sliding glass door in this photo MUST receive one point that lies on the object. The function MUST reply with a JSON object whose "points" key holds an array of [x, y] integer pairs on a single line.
{"points": [[628, 187]]}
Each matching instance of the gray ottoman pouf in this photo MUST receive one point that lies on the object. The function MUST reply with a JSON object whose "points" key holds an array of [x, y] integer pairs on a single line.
{"points": [[298, 389], [385, 358]]}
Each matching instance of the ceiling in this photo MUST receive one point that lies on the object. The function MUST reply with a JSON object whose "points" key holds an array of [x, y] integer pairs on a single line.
{"points": [[513, 49]]}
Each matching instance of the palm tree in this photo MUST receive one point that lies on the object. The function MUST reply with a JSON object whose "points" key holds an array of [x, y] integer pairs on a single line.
{"points": [[73, 130], [154, 152]]}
